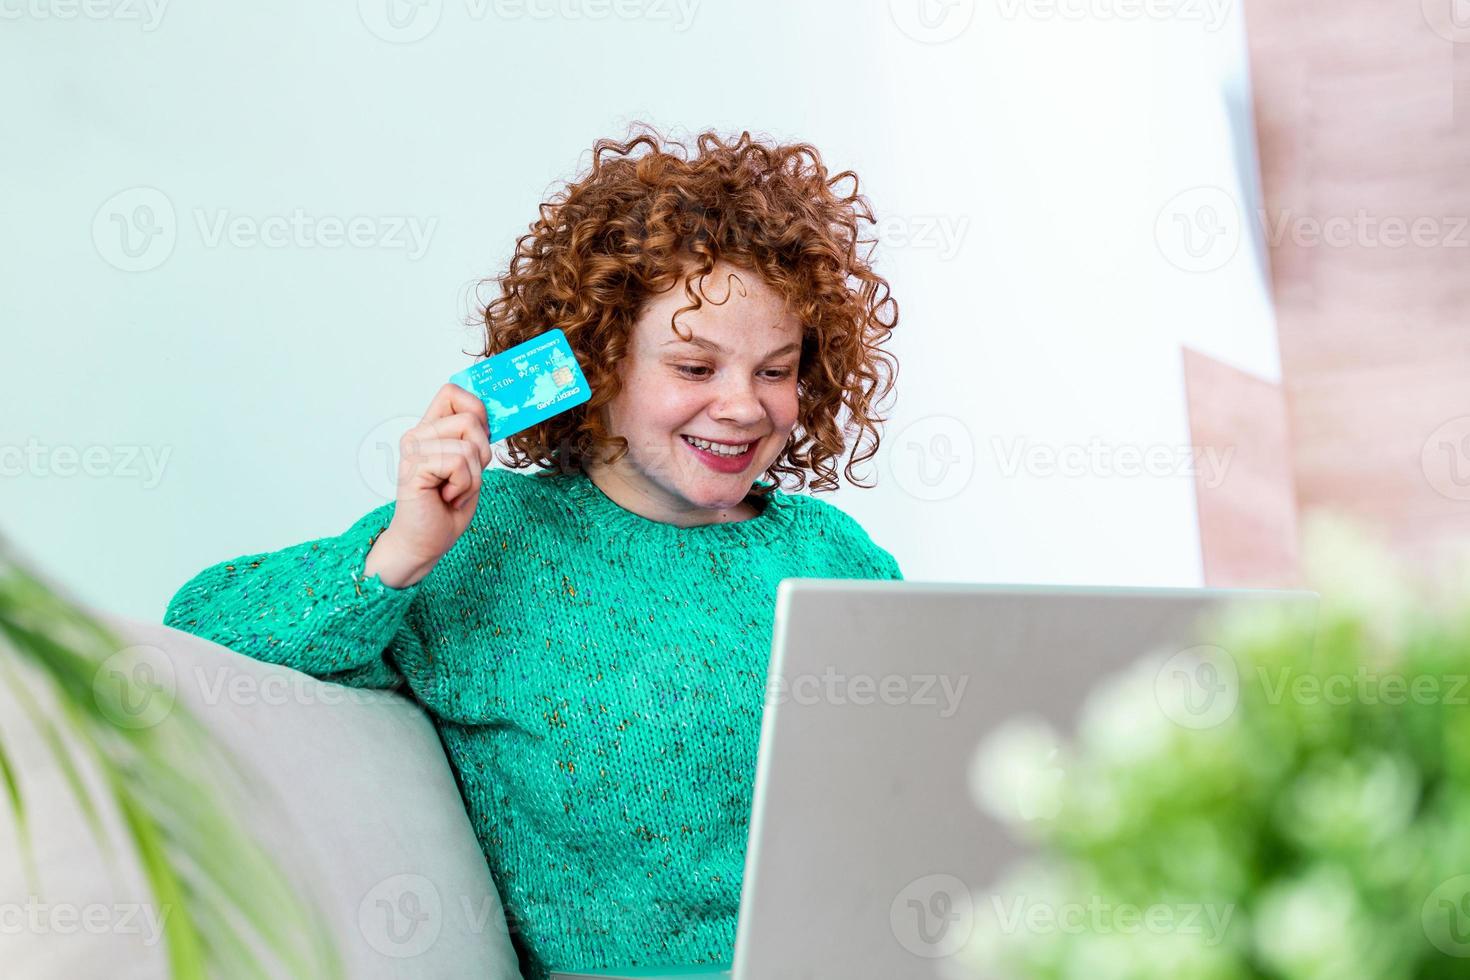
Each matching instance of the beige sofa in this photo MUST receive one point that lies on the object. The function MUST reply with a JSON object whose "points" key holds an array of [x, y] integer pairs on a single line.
{"points": [[363, 808]]}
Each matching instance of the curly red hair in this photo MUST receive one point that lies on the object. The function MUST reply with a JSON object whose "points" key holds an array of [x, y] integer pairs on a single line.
{"points": [[637, 222]]}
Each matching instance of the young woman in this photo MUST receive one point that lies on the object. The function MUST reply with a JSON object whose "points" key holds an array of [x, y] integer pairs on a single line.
{"points": [[591, 639]]}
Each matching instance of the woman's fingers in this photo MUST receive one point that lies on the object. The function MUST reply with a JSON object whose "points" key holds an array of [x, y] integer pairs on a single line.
{"points": [[450, 464], [461, 425], [451, 399]]}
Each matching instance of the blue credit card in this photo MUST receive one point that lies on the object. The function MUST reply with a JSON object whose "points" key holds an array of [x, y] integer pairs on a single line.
{"points": [[527, 384]]}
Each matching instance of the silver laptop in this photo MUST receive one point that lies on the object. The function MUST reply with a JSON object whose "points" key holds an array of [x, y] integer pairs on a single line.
{"points": [[865, 825]]}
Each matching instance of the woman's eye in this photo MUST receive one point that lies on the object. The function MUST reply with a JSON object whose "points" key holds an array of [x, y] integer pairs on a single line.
{"points": [[702, 371]]}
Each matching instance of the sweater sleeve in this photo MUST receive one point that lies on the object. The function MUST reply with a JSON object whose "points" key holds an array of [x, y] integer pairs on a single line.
{"points": [[308, 606]]}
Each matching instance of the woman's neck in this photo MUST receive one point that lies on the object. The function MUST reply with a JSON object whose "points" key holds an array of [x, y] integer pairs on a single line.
{"points": [[634, 492]]}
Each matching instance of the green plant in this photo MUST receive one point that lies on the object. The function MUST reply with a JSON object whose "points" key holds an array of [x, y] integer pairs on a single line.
{"points": [[1318, 827], [230, 910]]}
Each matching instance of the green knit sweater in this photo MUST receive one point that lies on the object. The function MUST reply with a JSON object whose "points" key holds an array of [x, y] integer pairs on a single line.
{"points": [[596, 677]]}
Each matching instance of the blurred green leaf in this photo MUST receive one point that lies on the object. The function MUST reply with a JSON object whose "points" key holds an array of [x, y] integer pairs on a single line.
{"points": [[1323, 826], [220, 894]]}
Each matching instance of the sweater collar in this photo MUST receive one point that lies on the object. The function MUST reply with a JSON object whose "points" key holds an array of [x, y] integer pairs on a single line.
{"points": [[587, 499]]}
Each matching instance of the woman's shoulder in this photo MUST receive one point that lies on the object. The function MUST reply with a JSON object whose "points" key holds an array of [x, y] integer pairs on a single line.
{"points": [[838, 531], [823, 515], [516, 495], [504, 480]]}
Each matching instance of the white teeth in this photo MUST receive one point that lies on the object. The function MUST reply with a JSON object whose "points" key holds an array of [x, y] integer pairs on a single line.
{"points": [[716, 448]]}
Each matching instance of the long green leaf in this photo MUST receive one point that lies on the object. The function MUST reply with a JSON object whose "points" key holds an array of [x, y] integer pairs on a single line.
{"points": [[18, 810], [176, 788]]}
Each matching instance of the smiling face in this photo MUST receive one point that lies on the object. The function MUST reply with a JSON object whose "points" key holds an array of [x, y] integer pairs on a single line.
{"points": [[733, 384]]}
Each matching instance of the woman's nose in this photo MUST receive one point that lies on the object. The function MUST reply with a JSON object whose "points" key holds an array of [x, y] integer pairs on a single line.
{"points": [[737, 402]]}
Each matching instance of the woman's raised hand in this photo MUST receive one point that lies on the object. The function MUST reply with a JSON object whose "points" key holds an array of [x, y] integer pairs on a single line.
{"points": [[441, 462]]}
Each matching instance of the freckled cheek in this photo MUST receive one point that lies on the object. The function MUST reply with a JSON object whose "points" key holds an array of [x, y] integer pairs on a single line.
{"points": [[783, 409], [673, 409]]}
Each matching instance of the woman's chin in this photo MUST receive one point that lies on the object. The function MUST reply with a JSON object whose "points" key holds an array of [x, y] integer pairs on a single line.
{"points": [[717, 492]]}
